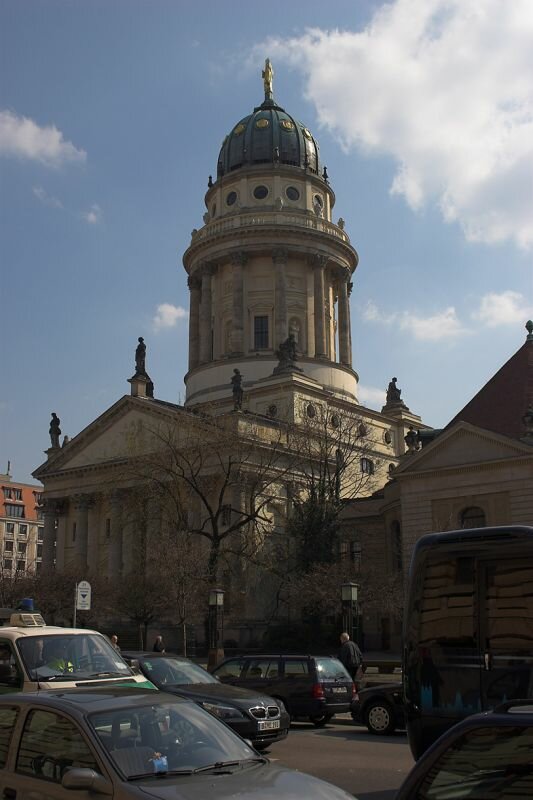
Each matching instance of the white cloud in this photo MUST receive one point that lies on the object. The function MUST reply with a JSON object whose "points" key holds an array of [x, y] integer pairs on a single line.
{"points": [[445, 87], [506, 308], [93, 216], [168, 315], [21, 137], [441, 325], [46, 199], [370, 396]]}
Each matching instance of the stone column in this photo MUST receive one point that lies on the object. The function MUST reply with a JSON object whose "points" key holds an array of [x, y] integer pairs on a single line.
{"points": [[345, 345], [82, 502], [281, 326], [205, 316], [61, 535], [93, 550], [319, 265], [238, 260], [49, 534], [195, 285], [115, 546]]}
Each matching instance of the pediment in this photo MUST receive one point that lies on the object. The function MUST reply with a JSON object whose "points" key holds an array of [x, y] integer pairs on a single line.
{"points": [[462, 445], [120, 432]]}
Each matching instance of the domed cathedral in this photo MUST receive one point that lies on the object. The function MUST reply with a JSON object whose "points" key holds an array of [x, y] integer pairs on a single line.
{"points": [[269, 265]]}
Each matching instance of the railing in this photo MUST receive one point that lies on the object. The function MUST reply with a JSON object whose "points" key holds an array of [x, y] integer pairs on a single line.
{"points": [[270, 219]]}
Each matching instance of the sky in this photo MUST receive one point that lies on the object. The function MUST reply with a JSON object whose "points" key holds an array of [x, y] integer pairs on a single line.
{"points": [[112, 113]]}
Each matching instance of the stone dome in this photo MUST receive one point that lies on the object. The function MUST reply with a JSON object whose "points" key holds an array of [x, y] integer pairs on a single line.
{"points": [[269, 136]]}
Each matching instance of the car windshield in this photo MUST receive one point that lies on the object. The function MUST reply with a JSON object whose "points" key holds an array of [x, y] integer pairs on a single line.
{"points": [[167, 737], [489, 762], [67, 657], [331, 669], [174, 671]]}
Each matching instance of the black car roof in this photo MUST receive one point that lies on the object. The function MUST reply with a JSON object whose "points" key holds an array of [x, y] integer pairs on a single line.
{"points": [[150, 654], [92, 698]]}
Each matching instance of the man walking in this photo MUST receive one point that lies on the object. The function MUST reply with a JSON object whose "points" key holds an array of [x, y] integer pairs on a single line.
{"points": [[350, 655]]}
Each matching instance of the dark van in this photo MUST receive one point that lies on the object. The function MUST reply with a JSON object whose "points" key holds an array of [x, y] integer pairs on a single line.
{"points": [[468, 627], [313, 687]]}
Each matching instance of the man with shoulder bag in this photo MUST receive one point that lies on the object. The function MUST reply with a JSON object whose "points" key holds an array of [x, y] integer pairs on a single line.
{"points": [[350, 655]]}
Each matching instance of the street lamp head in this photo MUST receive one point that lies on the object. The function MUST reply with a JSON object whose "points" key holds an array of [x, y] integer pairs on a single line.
{"points": [[349, 592], [216, 597]]}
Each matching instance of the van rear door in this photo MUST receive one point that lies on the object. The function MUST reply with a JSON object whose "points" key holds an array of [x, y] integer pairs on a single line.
{"points": [[506, 629]]}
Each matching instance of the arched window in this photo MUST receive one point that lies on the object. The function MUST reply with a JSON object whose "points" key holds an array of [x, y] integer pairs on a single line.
{"points": [[473, 517], [367, 466]]}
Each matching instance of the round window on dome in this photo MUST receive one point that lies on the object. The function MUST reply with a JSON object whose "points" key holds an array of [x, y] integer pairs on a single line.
{"points": [[262, 123], [239, 129], [307, 134], [231, 198], [260, 192], [292, 193], [287, 124]]}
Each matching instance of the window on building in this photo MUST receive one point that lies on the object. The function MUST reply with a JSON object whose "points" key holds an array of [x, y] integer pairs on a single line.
{"points": [[473, 517], [21, 548], [39, 551], [10, 528], [17, 494], [40, 533], [40, 513], [261, 333], [8, 547], [73, 531], [23, 529], [38, 497], [351, 551], [226, 515], [396, 547], [367, 466], [15, 511], [8, 563], [7, 492], [21, 566]]}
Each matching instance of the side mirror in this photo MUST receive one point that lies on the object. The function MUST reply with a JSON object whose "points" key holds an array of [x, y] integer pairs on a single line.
{"points": [[86, 779]]}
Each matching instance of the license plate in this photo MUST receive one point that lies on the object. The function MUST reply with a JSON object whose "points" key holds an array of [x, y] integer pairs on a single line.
{"points": [[339, 690], [268, 725]]}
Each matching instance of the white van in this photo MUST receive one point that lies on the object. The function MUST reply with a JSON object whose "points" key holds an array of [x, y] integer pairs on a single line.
{"points": [[35, 656]]}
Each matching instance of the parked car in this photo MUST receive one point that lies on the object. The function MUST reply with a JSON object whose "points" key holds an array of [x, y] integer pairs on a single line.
{"points": [[313, 687], [252, 714], [488, 755], [132, 744], [380, 707]]}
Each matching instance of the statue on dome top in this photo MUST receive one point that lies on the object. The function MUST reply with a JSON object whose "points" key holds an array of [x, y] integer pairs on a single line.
{"points": [[267, 75]]}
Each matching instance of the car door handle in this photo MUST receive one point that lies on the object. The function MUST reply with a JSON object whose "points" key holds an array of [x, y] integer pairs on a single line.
{"points": [[9, 793]]}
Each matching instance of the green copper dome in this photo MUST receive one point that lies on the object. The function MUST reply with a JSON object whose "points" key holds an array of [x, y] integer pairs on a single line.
{"points": [[269, 136]]}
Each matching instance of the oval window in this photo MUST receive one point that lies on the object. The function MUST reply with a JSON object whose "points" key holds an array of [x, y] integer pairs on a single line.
{"points": [[287, 124], [292, 193], [260, 192], [231, 198], [239, 129], [262, 123]]}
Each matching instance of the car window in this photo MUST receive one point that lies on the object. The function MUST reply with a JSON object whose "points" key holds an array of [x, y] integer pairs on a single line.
{"points": [[230, 669], [172, 671], [262, 668], [331, 669], [50, 745], [8, 717], [11, 677], [296, 667], [65, 656], [495, 762]]}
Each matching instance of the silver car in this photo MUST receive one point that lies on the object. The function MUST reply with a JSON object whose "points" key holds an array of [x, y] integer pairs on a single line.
{"points": [[127, 743]]}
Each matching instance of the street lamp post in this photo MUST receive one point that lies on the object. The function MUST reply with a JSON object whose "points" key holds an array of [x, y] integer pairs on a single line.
{"points": [[216, 627], [349, 609]]}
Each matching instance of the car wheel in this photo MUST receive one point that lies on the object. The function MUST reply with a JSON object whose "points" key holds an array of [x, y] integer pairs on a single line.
{"points": [[319, 720], [379, 717]]}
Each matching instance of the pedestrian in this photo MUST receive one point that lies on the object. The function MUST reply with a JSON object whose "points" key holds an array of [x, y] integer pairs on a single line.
{"points": [[352, 658], [114, 641], [159, 645]]}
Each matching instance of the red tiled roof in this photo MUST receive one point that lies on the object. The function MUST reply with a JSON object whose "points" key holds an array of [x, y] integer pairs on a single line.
{"points": [[500, 405]]}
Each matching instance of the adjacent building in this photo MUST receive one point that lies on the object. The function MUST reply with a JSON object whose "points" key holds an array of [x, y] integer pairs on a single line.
{"points": [[21, 526]]}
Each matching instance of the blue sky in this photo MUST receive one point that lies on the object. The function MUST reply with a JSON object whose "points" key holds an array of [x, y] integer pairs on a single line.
{"points": [[112, 113]]}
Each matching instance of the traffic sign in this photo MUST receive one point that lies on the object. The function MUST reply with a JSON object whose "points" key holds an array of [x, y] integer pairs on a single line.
{"points": [[83, 596]]}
